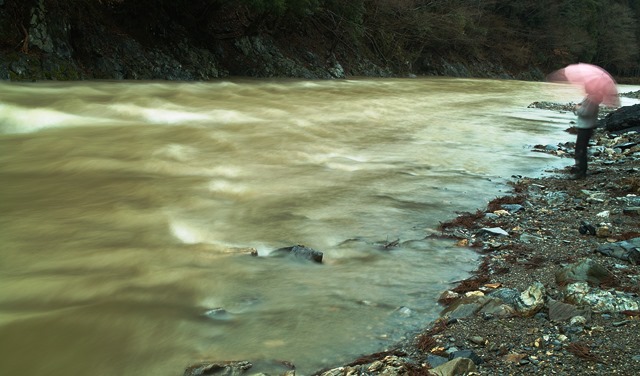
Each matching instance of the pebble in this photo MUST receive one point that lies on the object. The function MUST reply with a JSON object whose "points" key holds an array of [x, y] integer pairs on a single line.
{"points": [[578, 320], [478, 340]]}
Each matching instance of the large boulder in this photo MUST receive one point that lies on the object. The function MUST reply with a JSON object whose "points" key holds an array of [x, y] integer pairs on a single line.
{"points": [[622, 119]]}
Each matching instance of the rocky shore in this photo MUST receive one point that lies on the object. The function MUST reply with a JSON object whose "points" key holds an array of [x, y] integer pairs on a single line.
{"points": [[557, 290]]}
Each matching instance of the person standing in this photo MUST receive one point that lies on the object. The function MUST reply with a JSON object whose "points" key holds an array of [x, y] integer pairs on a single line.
{"points": [[587, 121]]}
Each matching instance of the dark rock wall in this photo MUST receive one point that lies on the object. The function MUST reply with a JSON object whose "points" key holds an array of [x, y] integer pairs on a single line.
{"points": [[55, 40]]}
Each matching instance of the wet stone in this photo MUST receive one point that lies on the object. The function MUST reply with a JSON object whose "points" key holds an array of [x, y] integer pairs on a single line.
{"points": [[512, 208], [469, 354], [493, 231], [459, 366], [299, 252], [435, 360], [478, 340], [218, 368]]}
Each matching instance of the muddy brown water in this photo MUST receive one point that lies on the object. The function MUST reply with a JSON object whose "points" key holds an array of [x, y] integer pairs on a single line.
{"points": [[122, 204]]}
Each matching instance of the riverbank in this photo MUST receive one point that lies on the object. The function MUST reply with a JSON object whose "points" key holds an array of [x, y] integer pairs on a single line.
{"points": [[556, 291]]}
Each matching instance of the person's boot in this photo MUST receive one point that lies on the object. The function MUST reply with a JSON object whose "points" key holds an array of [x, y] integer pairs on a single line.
{"points": [[579, 170], [578, 175]]}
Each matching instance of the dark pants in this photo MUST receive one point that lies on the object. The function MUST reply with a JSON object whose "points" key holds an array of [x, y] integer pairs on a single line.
{"points": [[582, 143]]}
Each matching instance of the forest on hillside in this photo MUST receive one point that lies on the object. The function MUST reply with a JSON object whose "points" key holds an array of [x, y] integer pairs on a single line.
{"points": [[546, 32], [398, 33]]}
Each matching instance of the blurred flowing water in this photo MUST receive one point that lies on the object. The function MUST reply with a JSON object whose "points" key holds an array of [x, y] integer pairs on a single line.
{"points": [[122, 206]]}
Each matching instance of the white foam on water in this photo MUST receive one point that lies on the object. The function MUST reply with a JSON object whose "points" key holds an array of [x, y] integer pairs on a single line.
{"points": [[26, 120], [185, 233], [227, 187]]}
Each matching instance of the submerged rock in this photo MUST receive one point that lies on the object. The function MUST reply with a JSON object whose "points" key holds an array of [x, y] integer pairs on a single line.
{"points": [[218, 368], [299, 251]]}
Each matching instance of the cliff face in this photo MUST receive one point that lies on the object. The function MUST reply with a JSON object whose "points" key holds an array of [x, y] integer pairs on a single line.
{"points": [[45, 39]]}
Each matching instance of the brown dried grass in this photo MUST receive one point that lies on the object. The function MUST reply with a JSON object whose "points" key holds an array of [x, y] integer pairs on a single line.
{"points": [[581, 350], [465, 220], [496, 204]]}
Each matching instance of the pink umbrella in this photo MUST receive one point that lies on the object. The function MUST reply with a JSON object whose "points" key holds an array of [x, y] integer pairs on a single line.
{"points": [[596, 81]]}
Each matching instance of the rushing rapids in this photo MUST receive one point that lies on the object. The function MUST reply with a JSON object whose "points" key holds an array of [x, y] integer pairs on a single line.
{"points": [[127, 208]]}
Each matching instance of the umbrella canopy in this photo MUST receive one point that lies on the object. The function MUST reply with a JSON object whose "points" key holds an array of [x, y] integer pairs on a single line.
{"points": [[597, 82]]}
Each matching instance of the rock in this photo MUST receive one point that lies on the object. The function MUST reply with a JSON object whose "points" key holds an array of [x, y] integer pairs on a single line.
{"points": [[578, 320], [218, 314], [512, 208], [506, 295], [527, 303], [626, 145], [514, 358], [600, 300], [375, 366], [465, 307], [583, 271], [448, 296], [495, 231], [334, 372], [299, 251], [404, 311], [468, 354], [218, 368], [587, 228], [603, 230], [435, 360], [496, 308], [531, 300], [624, 118], [455, 367], [628, 250], [501, 213], [391, 365], [557, 198], [529, 238], [478, 340], [559, 311]]}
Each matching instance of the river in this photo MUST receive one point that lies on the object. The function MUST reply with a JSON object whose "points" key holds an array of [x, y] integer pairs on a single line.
{"points": [[125, 207]]}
